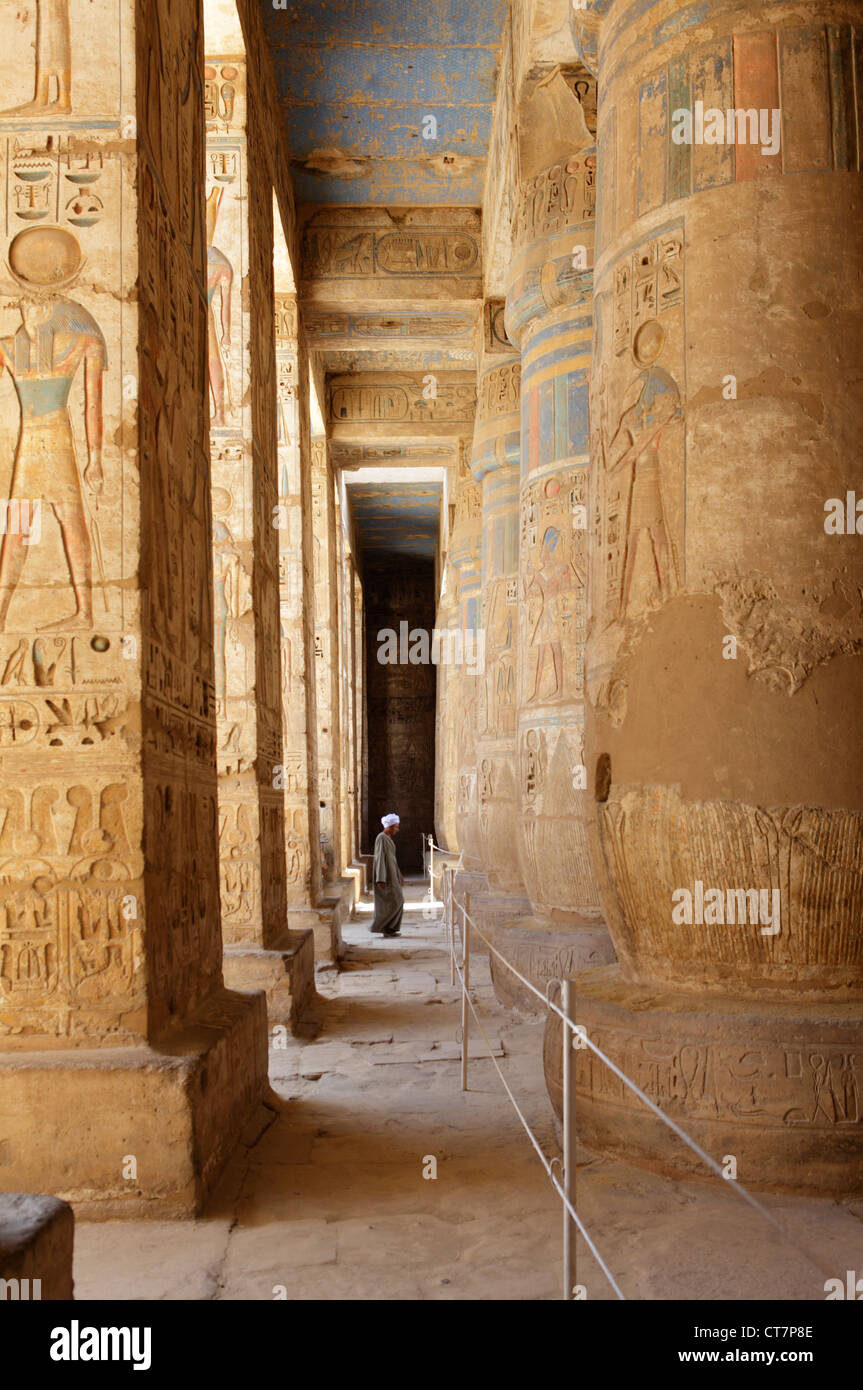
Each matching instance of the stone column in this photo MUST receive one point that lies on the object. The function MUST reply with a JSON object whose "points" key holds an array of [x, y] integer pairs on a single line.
{"points": [[726, 651], [446, 722], [306, 907], [127, 1071], [326, 659], [462, 684], [350, 830], [549, 314], [495, 462], [260, 951]]}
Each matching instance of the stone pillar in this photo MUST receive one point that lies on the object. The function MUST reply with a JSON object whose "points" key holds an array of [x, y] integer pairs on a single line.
{"points": [[349, 822], [726, 650], [326, 659], [260, 951], [495, 462], [549, 314], [446, 723], [463, 683], [306, 907], [127, 1071]]}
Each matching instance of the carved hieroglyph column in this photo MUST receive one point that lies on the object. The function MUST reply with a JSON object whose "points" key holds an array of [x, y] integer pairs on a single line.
{"points": [[549, 314], [495, 462], [726, 651], [326, 659], [463, 682], [297, 635], [447, 717], [348, 682], [259, 949], [126, 1070]]}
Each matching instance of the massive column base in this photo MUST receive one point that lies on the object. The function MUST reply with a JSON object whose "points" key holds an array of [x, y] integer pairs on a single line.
{"points": [[325, 920], [777, 1085], [77, 1121], [286, 974], [543, 952]]}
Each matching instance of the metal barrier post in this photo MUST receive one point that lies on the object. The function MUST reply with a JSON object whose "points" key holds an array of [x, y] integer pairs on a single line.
{"points": [[465, 1010], [431, 869], [451, 928], [568, 1145]]}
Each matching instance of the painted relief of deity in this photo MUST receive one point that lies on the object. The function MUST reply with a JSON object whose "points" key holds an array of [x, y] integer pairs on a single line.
{"points": [[637, 423]]}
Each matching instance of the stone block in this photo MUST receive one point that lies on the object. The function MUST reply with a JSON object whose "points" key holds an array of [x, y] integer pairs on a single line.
{"points": [[93, 1110], [36, 1237], [286, 974]]}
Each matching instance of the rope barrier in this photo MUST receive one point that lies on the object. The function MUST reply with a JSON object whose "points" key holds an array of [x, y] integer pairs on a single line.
{"points": [[583, 1041], [548, 1164]]}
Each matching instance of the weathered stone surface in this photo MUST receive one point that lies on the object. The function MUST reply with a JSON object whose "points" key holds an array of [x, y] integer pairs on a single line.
{"points": [[775, 1084], [724, 651], [36, 1237], [109, 943]]}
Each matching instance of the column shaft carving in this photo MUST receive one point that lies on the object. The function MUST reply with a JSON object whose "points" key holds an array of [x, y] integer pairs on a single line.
{"points": [[110, 946], [725, 642]]}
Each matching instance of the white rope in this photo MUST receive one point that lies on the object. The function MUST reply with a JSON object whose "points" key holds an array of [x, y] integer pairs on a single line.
{"points": [[580, 1224], [711, 1163], [546, 1163]]}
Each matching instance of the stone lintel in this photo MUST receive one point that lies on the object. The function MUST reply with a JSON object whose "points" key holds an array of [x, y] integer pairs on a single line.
{"points": [[399, 296]]}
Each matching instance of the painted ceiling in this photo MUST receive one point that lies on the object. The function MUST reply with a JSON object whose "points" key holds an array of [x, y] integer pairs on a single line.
{"points": [[398, 519], [357, 81]]}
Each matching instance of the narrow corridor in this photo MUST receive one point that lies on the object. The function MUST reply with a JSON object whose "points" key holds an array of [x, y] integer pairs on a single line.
{"points": [[326, 1198], [331, 1202]]}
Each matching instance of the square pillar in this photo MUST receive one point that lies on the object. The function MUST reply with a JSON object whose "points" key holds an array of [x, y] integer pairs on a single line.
{"points": [[127, 1071]]}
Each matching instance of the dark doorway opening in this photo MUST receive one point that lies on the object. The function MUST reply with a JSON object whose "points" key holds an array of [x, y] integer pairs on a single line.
{"points": [[400, 700]]}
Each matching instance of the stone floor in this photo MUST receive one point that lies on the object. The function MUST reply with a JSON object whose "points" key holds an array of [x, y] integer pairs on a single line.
{"points": [[330, 1200]]}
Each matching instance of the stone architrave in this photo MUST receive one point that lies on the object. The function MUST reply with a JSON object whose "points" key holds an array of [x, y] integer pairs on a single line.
{"points": [[726, 648], [119, 1045], [549, 314]]}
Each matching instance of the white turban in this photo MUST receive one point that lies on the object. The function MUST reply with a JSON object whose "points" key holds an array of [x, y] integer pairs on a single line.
{"points": [[389, 819]]}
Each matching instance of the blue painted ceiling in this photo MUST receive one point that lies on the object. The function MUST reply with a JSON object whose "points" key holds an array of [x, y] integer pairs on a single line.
{"points": [[356, 79], [398, 519]]}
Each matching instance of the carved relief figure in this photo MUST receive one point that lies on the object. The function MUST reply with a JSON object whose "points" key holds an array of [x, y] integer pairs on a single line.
{"points": [[635, 445], [52, 93], [545, 596], [220, 278], [56, 336], [227, 565]]}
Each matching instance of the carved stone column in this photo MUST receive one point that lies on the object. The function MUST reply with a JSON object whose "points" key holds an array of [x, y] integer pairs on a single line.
{"points": [[463, 683], [307, 906], [447, 718], [495, 461], [326, 659], [260, 952], [127, 1071], [726, 652], [549, 314]]}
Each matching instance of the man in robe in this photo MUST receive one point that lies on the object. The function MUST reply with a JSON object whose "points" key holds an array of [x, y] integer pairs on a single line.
{"points": [[389, 898]]}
